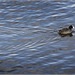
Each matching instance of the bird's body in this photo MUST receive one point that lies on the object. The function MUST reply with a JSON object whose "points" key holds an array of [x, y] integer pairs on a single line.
{"points": [[65, 31]]}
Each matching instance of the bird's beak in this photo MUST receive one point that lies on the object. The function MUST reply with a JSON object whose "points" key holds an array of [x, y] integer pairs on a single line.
{"points": [[73, 28]]}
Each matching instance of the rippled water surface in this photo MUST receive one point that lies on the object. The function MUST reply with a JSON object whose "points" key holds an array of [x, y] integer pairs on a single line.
{"points": [[29, 39]]}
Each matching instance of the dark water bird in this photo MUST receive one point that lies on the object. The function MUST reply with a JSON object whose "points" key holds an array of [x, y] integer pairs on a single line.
{"points": [[66, 31]]}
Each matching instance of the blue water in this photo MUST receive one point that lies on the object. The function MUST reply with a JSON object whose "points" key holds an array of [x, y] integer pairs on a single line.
{"points": [[29, 39]]}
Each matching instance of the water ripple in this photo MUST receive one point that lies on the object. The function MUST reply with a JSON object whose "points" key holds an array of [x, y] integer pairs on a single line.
{"points": [[29, 39]]}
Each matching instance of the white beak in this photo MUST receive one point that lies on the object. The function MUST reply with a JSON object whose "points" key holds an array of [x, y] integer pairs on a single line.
{"points": [[73, 27]]}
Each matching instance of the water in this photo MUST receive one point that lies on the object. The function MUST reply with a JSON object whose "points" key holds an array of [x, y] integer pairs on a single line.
{"points": [[29, 39]]}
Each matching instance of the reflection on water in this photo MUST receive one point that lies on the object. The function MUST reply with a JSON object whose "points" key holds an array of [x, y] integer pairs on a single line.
{"points": [[29, 39], [66, 35]]}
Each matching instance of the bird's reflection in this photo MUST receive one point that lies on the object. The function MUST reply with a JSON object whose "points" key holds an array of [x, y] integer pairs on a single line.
{"points": [[70, 35]]}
